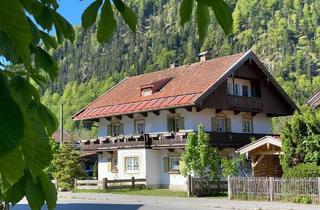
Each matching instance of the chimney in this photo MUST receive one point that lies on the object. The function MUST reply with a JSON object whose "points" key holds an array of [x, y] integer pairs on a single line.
{"points": [[172, 65], [203, 56]]}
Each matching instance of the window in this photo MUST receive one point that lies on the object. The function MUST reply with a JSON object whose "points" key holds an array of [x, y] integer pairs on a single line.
{"points": [[132, 164], [236, 89], [115, 129], [114, 165], [230, 89], [175, 124], [245, 90], [139, 126], [246, 125], [174, 163], [146, 92], [221, 124]]}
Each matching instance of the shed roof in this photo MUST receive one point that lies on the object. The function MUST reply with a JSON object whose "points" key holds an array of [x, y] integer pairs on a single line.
{"points": [[266, 140]]}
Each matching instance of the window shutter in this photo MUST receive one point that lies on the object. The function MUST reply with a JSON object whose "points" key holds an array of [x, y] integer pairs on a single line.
{"points": [[109, 130], [121, 129], [109, 165], [181, 123], [213, 124], [228, 124], [170, 124], [135, 127], [166, 164], [181, 166]]}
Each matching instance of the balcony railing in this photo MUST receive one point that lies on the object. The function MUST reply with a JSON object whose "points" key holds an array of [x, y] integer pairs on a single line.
{"points": [[244, 103], [167, 140], [119, 142]]}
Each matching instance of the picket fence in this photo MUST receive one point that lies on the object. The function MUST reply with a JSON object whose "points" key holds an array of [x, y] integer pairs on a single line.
{"points": [[274, 189]]}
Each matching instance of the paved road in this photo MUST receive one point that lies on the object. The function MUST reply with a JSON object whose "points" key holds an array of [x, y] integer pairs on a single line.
{"points": [[92, 201]]}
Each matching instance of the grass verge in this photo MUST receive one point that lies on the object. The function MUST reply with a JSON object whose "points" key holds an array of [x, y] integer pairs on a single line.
{"points": [[141, 191]]}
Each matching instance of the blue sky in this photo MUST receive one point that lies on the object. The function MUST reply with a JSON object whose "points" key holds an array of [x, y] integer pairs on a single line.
{"points": [[72, 9]]}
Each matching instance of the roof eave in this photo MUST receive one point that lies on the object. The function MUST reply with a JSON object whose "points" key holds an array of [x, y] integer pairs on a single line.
{"points": [[136, 112]]}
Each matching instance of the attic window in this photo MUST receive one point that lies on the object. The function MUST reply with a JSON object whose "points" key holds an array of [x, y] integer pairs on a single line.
{"points": [[156, 86], [146, 91]]}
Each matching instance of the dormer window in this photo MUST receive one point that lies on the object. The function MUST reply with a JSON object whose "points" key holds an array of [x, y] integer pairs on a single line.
{"points": [[149, 89], [146, 92]]}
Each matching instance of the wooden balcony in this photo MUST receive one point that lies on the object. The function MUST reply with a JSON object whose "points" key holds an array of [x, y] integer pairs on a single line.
{"points": [[243, 103], [234, 140], [167, 140], [112, 143]]}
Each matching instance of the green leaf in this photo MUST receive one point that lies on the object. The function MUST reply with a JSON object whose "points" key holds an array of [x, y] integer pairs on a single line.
{"points": [[46, 62], [11, 120], [129, 17], [223, 15], [34, 193], [49, 41], [12, 168], [17, 191], [107, 24], [185, 11], [63, 27], [45, 18], [48, 119], [39, 79], [35, 145], [203, 20], [49, 191], [89, 16], [14, 24]]}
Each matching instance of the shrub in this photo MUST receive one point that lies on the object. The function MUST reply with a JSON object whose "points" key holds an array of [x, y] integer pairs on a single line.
{"points": [[303, 170], [67, 166], [302, 199]]}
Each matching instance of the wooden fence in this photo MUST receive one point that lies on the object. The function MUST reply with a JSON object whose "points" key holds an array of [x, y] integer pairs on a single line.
{"points": [[274, 189], [109, 184], [200, 187]]}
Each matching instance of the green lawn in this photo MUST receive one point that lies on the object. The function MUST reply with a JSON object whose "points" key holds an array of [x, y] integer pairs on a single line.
{"points": [[142, 191]]}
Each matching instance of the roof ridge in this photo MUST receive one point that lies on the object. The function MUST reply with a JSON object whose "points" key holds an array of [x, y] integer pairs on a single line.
{"points": [[186, 65]]}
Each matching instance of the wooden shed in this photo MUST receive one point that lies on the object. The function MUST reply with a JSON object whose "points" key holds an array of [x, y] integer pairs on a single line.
{"points": [[265, 156]]}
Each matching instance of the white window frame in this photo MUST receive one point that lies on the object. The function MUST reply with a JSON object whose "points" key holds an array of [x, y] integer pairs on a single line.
{"points": [[139, 130], [117, 131], [146, 91], [247, 87], [176, 119], [246, 129], [221, 127], [236, 89], [132, 164], [114, 164], [230, 88], [172, 159]]}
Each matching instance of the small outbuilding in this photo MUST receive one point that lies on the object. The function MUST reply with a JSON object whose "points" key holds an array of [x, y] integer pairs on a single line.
{"points": [[265, 156]]}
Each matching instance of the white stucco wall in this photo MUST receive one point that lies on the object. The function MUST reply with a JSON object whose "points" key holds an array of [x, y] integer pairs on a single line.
{"points": [[151, 167], [262, 124], [154, 123], [105, 157], [173, 181]]}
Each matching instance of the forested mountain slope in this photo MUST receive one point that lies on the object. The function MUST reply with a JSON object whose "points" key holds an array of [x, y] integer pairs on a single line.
{"points": [[285, 34]]}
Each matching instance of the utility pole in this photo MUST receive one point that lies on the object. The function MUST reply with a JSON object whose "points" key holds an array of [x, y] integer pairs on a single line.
{"points": [[61, 125]]}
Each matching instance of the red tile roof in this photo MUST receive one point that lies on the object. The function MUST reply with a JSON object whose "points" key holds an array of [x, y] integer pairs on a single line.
{"points": [[314, 101], [186, 84]]}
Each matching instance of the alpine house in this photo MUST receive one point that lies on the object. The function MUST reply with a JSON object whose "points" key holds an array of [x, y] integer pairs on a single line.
{"points": [[144, 120]]}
